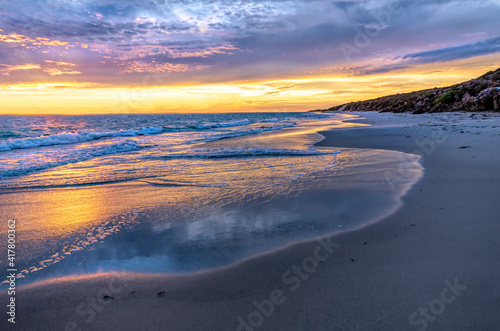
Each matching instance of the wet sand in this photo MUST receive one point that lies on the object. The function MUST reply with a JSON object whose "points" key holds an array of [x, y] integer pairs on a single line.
{"points": [[380, 277]]}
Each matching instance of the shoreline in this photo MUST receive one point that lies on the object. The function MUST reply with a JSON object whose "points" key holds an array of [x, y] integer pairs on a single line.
{"points": [[263, 215], [376, 278]]}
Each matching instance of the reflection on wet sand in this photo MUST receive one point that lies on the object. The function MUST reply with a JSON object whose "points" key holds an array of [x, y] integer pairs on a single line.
{"points": [[188, 224], [200, 206]]}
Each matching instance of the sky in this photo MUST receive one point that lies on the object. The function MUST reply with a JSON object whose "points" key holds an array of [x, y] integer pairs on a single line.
{"points": [[107, 56]]}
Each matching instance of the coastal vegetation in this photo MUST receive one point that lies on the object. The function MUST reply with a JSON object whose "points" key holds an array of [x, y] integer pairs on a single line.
{"points": [[481, 94]]}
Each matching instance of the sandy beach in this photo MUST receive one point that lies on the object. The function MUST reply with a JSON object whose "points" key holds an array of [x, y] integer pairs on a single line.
{"points": [[433, 264]]}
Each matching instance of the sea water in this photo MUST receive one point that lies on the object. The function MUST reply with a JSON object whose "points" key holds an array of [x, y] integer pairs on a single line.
{"points": [[181, 193]]}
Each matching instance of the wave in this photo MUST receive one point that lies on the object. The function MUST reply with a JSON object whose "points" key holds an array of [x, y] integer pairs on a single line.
{"points": [[77, 184], [223, 153], [222, 125], [84, 155], [226, 135], [84, 136], [72, 138], [8, 134], [169, 183]]}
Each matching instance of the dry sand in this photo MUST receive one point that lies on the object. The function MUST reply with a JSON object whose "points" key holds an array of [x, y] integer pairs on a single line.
{"points": [[375, 278]]}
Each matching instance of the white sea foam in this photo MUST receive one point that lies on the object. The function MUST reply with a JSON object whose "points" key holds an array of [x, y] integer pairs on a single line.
{"points": [[79, 155], [223, 125], [72, 138], [219, 153], [234, 134], [84, 136], [94, 235]]}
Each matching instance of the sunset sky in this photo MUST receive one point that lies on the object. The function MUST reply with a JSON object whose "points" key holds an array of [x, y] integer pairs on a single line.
{"points": [[68, 56]]}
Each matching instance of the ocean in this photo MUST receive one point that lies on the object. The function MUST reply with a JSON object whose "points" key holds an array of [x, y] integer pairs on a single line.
{"points": [[30, 144], [180, 192]]}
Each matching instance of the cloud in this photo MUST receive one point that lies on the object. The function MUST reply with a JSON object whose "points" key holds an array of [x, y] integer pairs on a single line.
{"points": [[482, 47], [53, 68], [57, 68], [6, 69], [111, 40], [152, 67], [444, 54], [25, 41], [58, 72]]}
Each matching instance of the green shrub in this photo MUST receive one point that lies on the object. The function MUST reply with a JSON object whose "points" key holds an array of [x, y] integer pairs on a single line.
{"points": [[448, 97]]}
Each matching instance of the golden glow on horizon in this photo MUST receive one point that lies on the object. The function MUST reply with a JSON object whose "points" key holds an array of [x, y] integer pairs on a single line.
{"points": [[296, 94]]}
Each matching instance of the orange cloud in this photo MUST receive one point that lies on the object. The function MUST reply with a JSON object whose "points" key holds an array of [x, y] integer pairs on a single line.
{"points": [[48, 42], [6, 70], [53, 68], [61, 63], [25, 40], [57, 72], [56, 68]]}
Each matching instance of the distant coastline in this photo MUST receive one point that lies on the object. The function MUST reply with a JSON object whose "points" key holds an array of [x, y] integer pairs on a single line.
{"points": [[481, 94]]}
